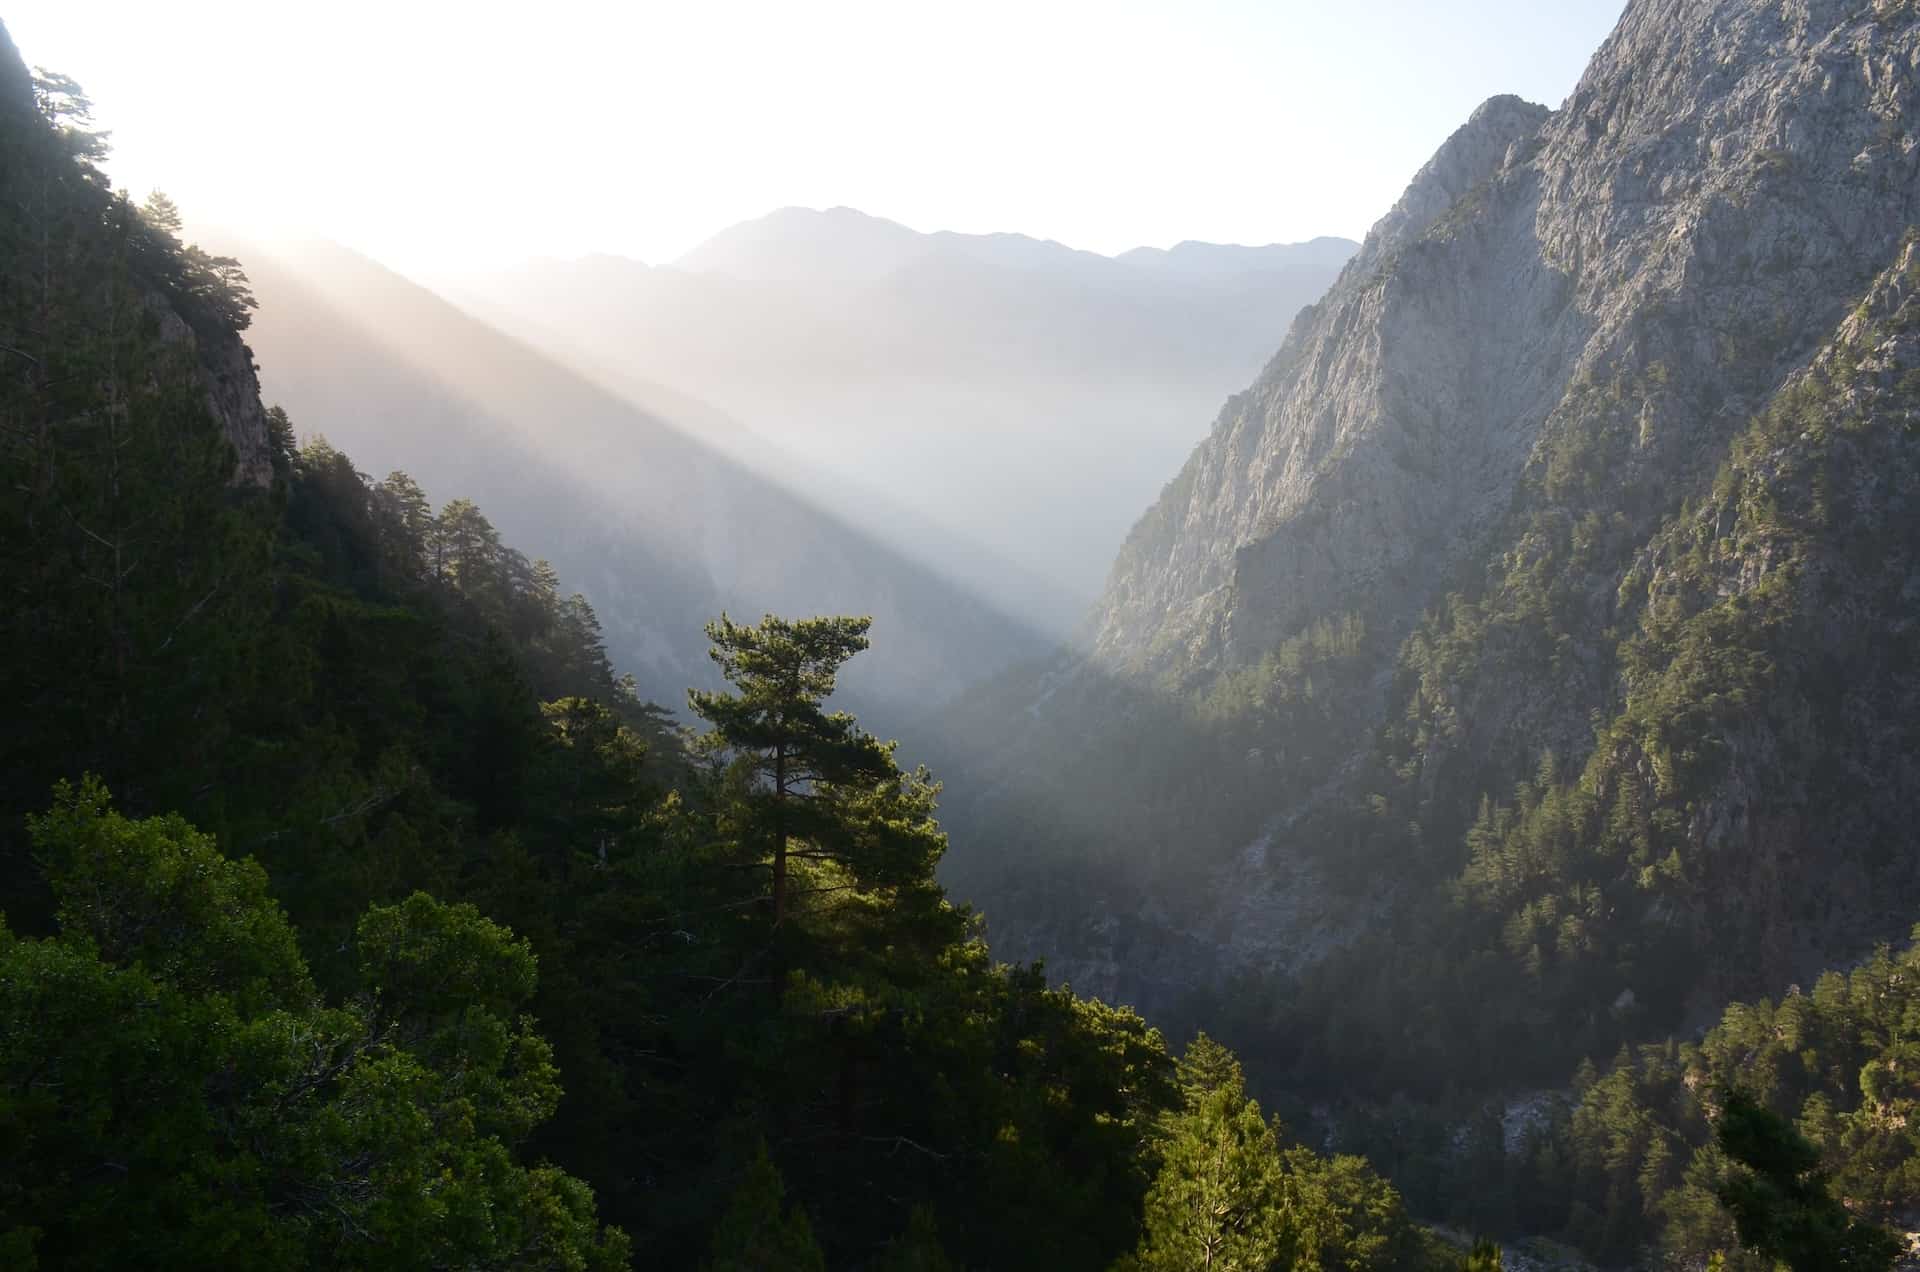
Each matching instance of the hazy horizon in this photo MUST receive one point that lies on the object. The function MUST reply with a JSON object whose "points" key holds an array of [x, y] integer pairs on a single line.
{"points": [[684, 259], [1102, 128]]}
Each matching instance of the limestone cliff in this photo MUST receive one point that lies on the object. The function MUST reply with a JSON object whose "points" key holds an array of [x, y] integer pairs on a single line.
{"points": [[232, 381], [1721, 184]]}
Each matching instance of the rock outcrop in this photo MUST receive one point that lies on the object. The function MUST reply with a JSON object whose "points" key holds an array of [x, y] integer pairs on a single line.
{"points": [[232, 382]]}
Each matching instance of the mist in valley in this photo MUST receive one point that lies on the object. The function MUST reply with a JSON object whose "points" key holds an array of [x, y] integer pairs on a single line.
{"points": [[1023, 398]]}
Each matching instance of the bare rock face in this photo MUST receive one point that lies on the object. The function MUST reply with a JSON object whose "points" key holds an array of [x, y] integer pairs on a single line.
{"points": [[1728, 174], [233, 391]]}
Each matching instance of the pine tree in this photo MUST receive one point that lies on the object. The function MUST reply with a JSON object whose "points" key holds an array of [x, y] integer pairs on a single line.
{"points": [[1207, 1067], [471, 547], [162, 214], [406, 522], [811, 786], [1216, 1204], [66, 106]]}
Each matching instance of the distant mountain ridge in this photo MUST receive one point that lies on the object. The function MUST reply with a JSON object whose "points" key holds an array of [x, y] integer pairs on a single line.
{"points": [[1200, 259], [846, 245], [1018, 393]]}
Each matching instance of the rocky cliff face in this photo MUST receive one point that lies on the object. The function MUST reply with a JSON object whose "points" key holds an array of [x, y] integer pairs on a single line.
{"points": [[232, 383], [1720, 186]]}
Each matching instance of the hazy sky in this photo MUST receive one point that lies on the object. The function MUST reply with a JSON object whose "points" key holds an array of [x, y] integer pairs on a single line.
{"points": [[435, 136]]}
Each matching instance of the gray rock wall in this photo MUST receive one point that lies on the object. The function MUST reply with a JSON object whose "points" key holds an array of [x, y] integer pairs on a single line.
{"points": [[1728, 174], [233, 391]]}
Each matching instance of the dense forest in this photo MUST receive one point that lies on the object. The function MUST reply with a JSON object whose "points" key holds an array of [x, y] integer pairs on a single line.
{"points": [[356, 911]]}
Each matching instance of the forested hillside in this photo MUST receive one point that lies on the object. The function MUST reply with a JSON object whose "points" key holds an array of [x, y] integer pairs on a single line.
{"points": [[358, 913]]}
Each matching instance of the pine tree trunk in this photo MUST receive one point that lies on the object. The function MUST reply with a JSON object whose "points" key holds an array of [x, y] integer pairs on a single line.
{"points": [[779, 835]]}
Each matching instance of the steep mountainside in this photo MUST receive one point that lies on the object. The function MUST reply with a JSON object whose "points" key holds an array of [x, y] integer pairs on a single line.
{"points": [[1025, 397], [1523, 663], [132, 447], [845, 245], [1715, 193], [652, 524]]}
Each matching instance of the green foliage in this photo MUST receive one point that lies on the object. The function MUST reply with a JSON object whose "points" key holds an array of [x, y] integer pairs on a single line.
{"points": [[68, 112], [210, 292], [158, 895], [1780, 1202], [1228, 1195], [1217, 1200], [807, 787], [302, 1057], [1206, 1067], [1344, 1216], [1484, 1257], [172, 1089], [1647, 1148]]}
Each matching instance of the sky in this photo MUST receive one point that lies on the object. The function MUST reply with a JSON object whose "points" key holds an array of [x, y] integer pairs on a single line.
{"points": [[444, 137]]}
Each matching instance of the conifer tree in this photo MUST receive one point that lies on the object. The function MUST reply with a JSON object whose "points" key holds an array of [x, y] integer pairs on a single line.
{"points": [[470, 545], [1216, 1204], [162, 214], [66, 106], [406, 523], [1206, 1067], [812, 787]]}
